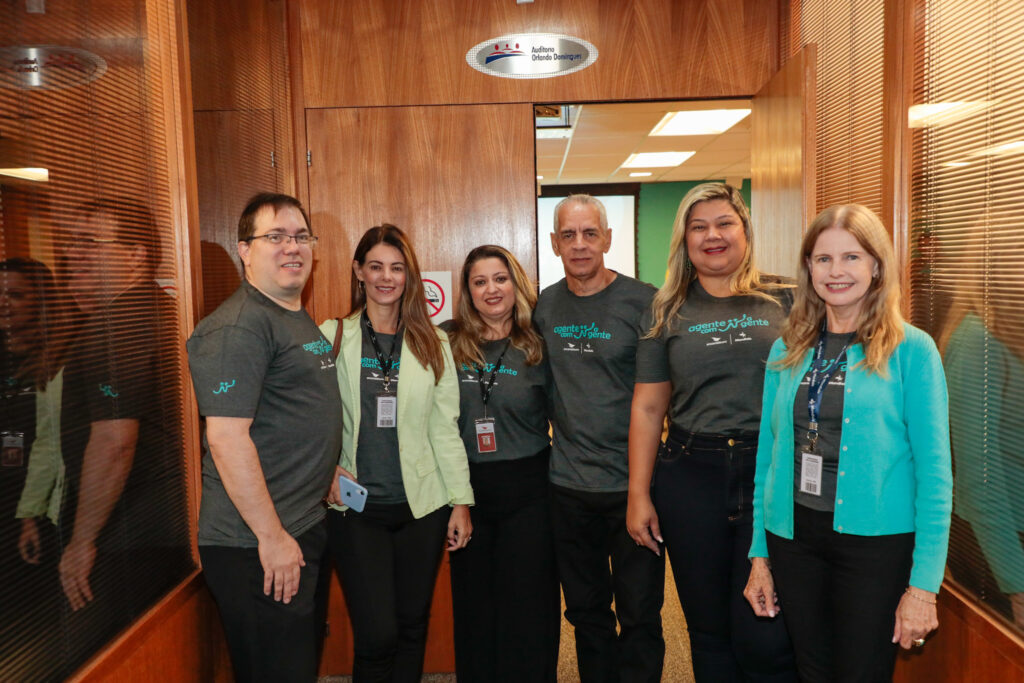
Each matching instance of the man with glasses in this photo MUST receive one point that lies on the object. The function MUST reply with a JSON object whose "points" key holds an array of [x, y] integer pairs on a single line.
{"points": [[265, 381], [591, 324]]}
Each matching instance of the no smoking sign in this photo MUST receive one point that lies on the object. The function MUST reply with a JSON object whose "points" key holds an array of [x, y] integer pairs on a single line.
{"points": [[437, 289]]}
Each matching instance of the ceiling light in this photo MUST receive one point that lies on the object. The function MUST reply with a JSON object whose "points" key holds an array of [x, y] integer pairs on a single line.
{"points": [[656, 159], [706, 122], [540, 177], [40, 175], [639, 174], [1015, 147], [554, 133], [943, 113]]}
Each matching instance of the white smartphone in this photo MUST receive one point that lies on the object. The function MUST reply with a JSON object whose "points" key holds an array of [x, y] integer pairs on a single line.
{"points": [[352, 493]]}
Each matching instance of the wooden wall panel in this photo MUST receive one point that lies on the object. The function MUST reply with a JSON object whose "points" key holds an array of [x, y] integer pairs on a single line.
{"points": [[452, 177], [401, 52], [782, 163]]}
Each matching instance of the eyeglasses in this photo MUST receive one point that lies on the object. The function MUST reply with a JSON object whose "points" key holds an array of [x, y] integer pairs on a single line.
{"points": [[279, 238]]}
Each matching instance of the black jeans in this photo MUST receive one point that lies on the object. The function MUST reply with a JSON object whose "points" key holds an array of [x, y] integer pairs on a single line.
{"points": [[268, 640], [504, 583], [703, 489], [589, 527], [839, 594], [387, 562]]}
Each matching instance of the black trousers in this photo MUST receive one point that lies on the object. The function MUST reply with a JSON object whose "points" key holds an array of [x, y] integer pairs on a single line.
{"points": [[589, 528], [387, 562], [504, 583], [703, 492], [839, 594], [268, 640]]}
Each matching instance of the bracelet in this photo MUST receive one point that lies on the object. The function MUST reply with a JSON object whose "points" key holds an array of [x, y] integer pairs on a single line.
{"points": [[911, 594]]}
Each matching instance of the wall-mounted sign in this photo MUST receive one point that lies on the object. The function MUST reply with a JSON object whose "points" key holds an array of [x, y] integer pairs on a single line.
{"points": [[437, 290], [531, 55], [48, 67]]}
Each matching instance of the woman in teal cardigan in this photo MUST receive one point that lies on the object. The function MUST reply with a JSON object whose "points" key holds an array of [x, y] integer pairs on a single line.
{"points": [[401, 439], [853, 486]]}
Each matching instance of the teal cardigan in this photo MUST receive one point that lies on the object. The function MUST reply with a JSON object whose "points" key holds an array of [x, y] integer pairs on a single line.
{"points": [[435, 470], [894, 462]]}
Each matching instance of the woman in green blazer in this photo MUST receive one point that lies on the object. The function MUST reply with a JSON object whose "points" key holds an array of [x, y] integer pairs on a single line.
{"points": [[402, 442]]}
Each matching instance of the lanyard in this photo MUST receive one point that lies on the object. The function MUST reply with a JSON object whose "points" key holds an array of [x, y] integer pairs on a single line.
{"points": [[385, 363], [816, 385], [486, 387]]}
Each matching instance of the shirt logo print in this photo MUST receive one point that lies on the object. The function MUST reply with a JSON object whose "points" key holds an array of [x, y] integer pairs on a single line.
{"points": [[224, 386], [108, 391]]}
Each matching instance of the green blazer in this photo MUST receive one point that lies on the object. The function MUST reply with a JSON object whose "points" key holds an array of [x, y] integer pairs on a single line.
{"points": [[435, 470]]}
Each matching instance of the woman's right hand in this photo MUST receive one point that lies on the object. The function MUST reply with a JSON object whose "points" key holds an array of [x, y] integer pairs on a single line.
{"points": [[334, 496], [760, 590], [28, 542], [642, 522]]}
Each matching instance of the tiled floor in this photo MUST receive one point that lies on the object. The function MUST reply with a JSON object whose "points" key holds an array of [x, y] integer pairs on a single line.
{"points": [[677, 647]]}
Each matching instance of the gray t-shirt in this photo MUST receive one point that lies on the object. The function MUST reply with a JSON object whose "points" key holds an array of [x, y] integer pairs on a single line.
{"points": [[714, 354], [830, 426], [252, 358], [377, 463], [591, 344], [518, 403]]}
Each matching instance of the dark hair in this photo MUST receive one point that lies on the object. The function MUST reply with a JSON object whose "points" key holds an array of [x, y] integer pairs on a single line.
{"points": [[421, 336], [47, 351], [247, 221], [133, 224]]}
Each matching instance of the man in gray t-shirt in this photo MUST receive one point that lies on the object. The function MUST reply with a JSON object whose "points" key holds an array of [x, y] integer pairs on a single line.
{"points": [[591, 325], [265, 381]]}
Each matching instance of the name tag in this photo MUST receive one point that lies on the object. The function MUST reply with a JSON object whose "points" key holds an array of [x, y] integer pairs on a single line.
{"points": [[485, 441], [387, 410], [810, 474]]}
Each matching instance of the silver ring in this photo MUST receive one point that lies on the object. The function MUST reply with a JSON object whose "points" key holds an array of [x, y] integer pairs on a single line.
{"points": [[919, 642]]}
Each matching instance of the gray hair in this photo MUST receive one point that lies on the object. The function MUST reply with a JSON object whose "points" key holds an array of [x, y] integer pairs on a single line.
{"points": [[584, 200]]}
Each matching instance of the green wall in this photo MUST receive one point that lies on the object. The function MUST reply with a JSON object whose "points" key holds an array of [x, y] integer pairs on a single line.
{"points": [[655, 214]]}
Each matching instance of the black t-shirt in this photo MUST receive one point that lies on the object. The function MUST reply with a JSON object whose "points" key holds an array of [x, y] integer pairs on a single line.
{"points": [[377, 455], [830, 426], [714, 353], [255, 359], [591, 344]]}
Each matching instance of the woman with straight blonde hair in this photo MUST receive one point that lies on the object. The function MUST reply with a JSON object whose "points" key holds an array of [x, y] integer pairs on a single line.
{"points": [[401, 439], [702, 361], [504, 585], [853, 488]]}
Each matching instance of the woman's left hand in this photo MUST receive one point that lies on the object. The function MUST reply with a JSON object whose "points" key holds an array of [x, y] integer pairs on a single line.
{"points": [[915, 617], [460, 528]]}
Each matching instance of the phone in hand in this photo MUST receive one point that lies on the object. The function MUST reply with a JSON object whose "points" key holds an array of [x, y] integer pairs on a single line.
{"points": [[352, 493]]}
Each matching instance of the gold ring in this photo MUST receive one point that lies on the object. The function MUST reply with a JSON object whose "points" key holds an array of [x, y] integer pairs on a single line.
{"points": [[919, 642]]}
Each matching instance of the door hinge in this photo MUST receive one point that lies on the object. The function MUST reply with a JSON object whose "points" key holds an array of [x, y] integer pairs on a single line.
{"points": [[273, 161], [309, 158]]}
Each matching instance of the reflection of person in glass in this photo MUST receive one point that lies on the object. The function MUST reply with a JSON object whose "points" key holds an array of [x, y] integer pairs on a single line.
{"points": [[30, 364], [983, 352], [121, 526]]}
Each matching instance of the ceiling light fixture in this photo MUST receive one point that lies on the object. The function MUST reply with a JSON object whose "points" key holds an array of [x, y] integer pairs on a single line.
{"points": [[639, 174], [656, 159], [554, 133], [706, 122]]}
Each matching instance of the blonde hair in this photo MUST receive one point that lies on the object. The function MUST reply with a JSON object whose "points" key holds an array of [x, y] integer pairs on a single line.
{"points": [[745, 280], [468, 328], [880, 325], [420, 334]]}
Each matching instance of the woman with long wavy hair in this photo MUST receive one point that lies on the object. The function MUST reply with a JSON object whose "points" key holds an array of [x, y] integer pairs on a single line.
{"points": [[702, 361], [853, 487], [401, 440], [504, 585]]}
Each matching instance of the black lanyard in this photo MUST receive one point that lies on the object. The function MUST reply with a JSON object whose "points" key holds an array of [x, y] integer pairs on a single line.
{"points": [[385, 363], [486, 387], [816, 385]]}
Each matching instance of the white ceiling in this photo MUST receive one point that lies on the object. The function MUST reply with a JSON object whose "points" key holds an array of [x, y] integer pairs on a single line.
{"points": [[604, 135]]}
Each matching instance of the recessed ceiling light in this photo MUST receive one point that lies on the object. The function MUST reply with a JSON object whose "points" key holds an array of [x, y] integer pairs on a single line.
{"points": [[943, 113], [656, 159], [706, 122], [639, 174], [40, 175], [554, 133], [540, 177]]}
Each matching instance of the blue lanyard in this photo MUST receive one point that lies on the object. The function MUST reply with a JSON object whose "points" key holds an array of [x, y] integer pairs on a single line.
{"points": [[818, 381]]}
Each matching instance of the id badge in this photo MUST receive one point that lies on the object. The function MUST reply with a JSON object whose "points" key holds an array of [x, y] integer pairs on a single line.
{"points": [[13, 453], [810, 474], [387, 410], [485, 442]]}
